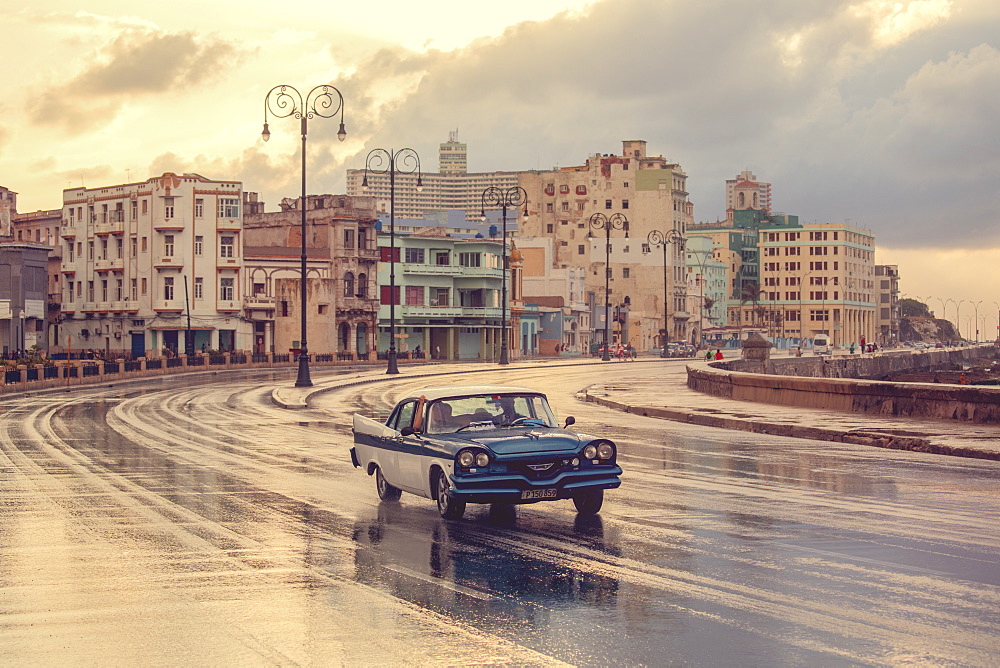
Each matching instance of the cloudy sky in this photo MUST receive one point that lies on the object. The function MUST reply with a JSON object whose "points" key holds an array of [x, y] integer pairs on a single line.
{"points": [[877, 112]]}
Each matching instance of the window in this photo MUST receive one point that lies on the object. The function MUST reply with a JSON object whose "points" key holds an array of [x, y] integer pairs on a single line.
{"points": [[229, 208], [349, 284], [199, 245], [226, 289], [624, 203], [626, 272], [144, 244], [442, 258], [442, 297], [90, 250], [104, 249], [385, 295], [226, 247], [548, 207], [119, 289], [168, 288], [414, 295], [199, 288], [90, 291], [349, 240], [69, 247], [607, 204], [384, 254], [104, 290], [168, 208], [119, 247], [565, 206], [581, 249], [143, 286], [549, 228], [470, 259], [145, 207], [133, 210], [415, 255], [199, 208], [168, 245], [134, 290]]}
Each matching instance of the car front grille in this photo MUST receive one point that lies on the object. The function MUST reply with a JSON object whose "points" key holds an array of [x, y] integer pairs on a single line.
{"points": [[539, 470]]}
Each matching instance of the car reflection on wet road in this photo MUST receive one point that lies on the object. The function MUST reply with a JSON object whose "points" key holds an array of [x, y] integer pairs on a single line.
{"points": [[191, 521]]}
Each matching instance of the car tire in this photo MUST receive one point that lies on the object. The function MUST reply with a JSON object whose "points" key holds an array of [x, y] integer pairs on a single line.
{"points": [[589, 502], [386, 492], [448, 508]]}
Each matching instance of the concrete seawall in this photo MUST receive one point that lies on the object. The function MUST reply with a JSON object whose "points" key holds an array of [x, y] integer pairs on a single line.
{"points": [[843, 383]]}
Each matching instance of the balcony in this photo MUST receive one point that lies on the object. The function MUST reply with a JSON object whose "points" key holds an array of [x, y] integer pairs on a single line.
{"points": [[69, 271], [169, 224], [258, 303], [431, 269], [229, 262], [103, 307], [169, 263], [480, 272], [68, 232], [168, 305], [435, 312], [105, 266], [228, 306], [104, 229], [229, 224]]}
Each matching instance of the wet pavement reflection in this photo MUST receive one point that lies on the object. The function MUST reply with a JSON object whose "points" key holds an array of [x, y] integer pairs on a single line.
{"points": [[195, 522]]}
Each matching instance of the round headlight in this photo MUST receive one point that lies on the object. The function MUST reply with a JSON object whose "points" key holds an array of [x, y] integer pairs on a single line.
{"points": [[589, 452], [466, 458], [605, 450], [482, 459]]}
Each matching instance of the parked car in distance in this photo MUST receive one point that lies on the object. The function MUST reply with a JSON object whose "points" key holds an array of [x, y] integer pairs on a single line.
{"points": [[483, 444]]}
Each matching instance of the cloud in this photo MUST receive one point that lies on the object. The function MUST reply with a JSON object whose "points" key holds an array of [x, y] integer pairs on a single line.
{"points": [[134, 65], [875, 112]]}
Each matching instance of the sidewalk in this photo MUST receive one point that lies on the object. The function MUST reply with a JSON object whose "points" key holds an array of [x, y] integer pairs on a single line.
{"points": [[681, 404], [668, 397]]}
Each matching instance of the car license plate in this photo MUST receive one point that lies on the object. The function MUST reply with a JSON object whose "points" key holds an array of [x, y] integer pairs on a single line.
{"points": [[549, 493]]}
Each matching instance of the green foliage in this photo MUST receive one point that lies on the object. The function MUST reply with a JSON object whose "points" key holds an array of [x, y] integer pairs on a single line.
{"points": [[911, 308]]}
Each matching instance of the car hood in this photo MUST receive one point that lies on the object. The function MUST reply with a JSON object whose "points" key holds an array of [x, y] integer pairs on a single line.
{"points": [[524, 441]]}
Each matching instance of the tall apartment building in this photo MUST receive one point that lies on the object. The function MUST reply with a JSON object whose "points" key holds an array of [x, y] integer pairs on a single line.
{"points": [[746, 192], [451, 188], [139, 259], [887, 291], [651, 193], [817, 279]]}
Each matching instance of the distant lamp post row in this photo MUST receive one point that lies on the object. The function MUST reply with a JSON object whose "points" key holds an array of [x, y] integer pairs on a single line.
{"points": [[383, 161], [664, 240], [616, 221], [282, 102], [513, 197]]}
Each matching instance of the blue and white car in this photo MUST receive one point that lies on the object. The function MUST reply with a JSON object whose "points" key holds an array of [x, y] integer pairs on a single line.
{"points": [[483, 444]]}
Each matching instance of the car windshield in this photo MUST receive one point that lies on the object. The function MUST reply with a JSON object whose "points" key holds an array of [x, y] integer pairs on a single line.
{"points": [[488, 411]]}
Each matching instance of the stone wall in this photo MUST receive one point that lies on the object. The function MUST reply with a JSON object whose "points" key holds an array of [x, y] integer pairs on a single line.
{"points": [[844, 383]]}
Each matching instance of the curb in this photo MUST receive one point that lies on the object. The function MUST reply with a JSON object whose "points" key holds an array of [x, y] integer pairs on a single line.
{"points": [[870, 438]]}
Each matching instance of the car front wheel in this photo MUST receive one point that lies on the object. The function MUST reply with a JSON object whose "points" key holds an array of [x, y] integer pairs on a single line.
{"points": [[386, 492], [448, 508], [589, 502]]}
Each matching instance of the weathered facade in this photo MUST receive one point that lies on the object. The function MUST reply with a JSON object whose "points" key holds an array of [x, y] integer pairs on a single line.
{"points": [[652, 194], [341, 272]]}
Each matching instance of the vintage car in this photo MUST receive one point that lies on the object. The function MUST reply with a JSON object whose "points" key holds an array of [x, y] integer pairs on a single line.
{"points": [[483, 444]]}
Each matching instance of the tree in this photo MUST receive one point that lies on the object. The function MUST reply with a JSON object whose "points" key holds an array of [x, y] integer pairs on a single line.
{"points": [[910, 308]]}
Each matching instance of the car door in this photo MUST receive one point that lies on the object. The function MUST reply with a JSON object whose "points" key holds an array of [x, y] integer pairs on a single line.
{"points": [[412, 460]]}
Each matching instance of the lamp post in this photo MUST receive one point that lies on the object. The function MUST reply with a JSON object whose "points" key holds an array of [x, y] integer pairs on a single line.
{"points": [[382, 161], [976, 306], [664, 239], [958, 316], [285, 101], [515, 196], [599, 221]]}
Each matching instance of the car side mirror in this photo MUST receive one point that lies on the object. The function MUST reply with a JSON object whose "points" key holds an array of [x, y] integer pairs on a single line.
{"points": [[406, 431], [569, 420]]}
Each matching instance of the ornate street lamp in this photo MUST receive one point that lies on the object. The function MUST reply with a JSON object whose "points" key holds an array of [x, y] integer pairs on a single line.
{"points": [[515, 196], [285, 101], [382, 161], [664, 239], [599, 221]]}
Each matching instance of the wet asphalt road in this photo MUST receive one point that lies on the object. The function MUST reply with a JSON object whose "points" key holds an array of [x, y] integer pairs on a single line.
{"points": [[189, 521]]}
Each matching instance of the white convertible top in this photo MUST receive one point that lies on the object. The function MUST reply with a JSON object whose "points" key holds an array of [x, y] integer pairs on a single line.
{"points": [[435, 393]]}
